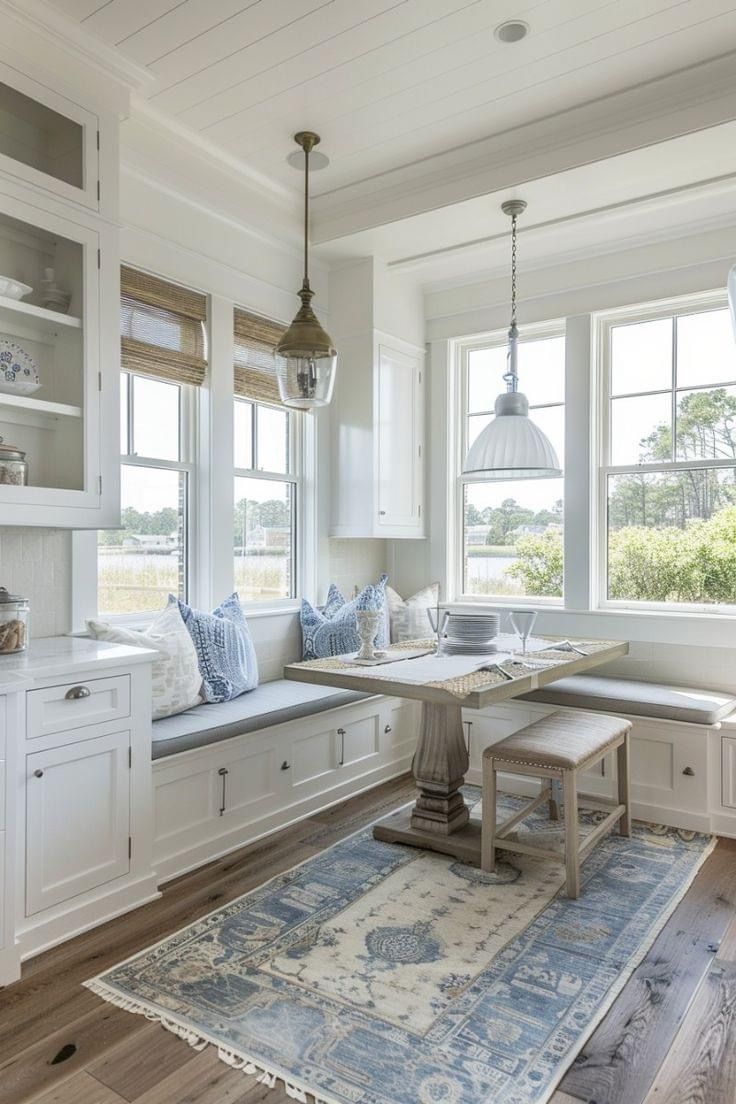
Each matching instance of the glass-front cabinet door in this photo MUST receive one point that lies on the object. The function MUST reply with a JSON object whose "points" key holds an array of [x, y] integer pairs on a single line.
{"points": [[48, 140], [49, 358]]}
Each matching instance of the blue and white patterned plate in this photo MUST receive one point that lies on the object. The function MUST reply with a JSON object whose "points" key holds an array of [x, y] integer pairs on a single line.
{"points": [[18, 371]]}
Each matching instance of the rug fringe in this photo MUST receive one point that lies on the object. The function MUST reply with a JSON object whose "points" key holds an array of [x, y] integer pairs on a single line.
{"points": [[268, 1077]]}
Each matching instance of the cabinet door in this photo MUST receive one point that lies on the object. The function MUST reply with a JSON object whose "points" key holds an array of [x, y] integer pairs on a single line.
{"points": [[57, 425], [399, 444], [48, 140], [78, 819]]}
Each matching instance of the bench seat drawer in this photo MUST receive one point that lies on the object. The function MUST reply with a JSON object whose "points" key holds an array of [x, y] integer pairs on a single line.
{"points": [[74, 705]]}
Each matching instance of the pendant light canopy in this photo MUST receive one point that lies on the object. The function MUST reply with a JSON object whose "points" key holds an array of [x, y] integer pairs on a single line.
{"points": [[311, 358], [511, 446]]}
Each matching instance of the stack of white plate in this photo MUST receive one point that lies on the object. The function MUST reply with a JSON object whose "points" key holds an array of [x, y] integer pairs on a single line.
{"points": [[471, 634]]}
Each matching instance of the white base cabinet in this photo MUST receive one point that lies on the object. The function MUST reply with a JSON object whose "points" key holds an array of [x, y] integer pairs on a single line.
{"points": [[213, 799], [675, 767], [75, 792]]}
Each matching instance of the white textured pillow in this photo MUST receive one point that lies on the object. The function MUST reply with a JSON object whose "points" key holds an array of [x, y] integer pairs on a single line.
{"points": [[176, 676], [408, 619]]}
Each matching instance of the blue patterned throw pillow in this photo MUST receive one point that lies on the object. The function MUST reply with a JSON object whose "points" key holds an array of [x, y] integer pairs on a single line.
{"points": [[225, 652], [333, 630]]}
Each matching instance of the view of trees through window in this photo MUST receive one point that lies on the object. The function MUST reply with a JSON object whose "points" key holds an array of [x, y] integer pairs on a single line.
{"points": [[672, 531], [145, 560], [512, 533], [264, 503]]}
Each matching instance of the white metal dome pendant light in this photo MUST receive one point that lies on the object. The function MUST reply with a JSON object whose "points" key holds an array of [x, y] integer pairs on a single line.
{"points": [[311, 358], [511, 446]]}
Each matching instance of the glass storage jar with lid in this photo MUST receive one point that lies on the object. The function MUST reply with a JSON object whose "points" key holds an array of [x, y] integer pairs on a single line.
{"points": [[13, 465], [13, 622]]}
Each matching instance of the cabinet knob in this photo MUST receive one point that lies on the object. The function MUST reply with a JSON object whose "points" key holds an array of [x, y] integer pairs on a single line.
{"points": [[77, 692], [388, 729], [286, 765], [38, 774], [381, 513], [689, 772]]}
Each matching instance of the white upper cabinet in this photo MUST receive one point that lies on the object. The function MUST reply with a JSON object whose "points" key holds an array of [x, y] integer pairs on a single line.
{"points": [[378, 450], [47, 140], [398, 460], [59, 321]]}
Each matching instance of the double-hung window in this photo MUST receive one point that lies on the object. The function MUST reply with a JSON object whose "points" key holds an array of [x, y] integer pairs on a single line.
{"points": [[163, 360], [667, 484], [267, 485], [511, 530]]}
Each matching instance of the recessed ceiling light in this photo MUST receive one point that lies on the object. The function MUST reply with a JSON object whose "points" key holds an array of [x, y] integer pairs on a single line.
{"points": [[512, 31]]}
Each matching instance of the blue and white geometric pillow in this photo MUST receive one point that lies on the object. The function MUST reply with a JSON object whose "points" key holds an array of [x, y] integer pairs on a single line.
{"points": [[333, 630], [225, 653]]}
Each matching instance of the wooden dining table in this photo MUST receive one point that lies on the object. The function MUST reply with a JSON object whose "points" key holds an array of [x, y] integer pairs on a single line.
{"points": [[440, 819]]}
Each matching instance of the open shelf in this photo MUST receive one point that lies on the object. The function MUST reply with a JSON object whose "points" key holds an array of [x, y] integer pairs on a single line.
{"points": [[38, 406], [47, 321]]}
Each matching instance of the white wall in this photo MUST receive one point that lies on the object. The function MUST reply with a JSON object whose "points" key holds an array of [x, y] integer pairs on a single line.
{"points": [[37, 564]]}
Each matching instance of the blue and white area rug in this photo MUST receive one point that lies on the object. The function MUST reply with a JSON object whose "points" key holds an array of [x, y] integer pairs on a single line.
{"points": [[380, 974]]}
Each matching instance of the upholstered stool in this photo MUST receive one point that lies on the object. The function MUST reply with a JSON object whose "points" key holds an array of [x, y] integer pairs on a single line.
{"points": [[556, 748]]}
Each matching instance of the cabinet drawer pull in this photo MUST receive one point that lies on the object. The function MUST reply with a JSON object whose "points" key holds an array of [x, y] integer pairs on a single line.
{"points": [[223, 773], [341, 734], [689, 772], [286, 765], [77, 692], [38, 774]]}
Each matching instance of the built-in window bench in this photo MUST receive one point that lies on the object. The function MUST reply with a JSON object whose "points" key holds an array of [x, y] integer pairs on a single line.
{"points": [[226, 774], [683, 745]]}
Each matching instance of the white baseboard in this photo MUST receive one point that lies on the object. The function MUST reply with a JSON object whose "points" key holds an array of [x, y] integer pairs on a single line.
{"points": [[37, 934]]}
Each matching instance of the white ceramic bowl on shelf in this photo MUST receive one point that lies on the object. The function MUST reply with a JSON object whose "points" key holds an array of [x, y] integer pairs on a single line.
{"points": [[13, 289]]}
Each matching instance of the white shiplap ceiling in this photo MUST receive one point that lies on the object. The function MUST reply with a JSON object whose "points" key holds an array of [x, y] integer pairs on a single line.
{"points": [[390, 83]]}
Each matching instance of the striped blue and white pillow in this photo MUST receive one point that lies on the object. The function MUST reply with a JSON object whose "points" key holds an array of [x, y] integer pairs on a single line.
{"points": [[333, 630]]}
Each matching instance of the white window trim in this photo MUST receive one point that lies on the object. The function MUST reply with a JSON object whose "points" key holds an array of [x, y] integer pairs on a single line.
{"points": [[460, 348], [602, 325]]}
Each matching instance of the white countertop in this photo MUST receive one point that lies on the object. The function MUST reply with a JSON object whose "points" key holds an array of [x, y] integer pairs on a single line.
{"points": [[57, 656]]}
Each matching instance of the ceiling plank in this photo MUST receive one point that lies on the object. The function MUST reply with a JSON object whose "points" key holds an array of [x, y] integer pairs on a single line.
{"points": [[249, 43]]}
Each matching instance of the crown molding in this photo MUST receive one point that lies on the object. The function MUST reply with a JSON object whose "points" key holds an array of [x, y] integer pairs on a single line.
{"points": [[191, 143], [39, 22], [688, 100]]}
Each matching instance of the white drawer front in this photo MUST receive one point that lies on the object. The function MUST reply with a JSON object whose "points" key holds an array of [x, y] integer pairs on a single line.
{"points": [[74, 705]]}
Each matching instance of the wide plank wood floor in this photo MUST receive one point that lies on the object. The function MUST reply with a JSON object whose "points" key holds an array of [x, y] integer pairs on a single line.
{"points": [[670, 1038]]}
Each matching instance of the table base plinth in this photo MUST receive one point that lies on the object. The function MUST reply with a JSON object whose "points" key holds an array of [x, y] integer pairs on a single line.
{"points": [[463, 844]]}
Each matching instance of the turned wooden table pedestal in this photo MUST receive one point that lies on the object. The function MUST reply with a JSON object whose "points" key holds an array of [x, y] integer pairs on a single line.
{"points": [[440, 820]]}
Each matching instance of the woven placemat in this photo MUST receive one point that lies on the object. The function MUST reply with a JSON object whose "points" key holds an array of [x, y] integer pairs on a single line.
{"points": [[463, 685]]}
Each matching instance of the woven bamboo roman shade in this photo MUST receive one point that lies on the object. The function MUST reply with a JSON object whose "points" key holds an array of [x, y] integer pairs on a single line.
{"points": [[161, 328], [256, 363]]}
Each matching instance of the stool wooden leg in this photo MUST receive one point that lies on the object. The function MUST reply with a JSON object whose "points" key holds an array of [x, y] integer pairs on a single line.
{"points": [[572, 855], [624, 790], [554, 804], [488, 825]]}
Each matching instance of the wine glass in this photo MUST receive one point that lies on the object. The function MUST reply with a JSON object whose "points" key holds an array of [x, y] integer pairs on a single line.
{"points": [[438, 620], [522, 622]]}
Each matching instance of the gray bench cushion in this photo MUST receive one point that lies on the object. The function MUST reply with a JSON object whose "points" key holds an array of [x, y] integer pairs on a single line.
{"points": [[640, 699], [269, 704]]}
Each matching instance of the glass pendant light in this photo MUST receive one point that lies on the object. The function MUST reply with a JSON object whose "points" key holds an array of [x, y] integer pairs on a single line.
{"points": [[311, 359], [511, 446]]}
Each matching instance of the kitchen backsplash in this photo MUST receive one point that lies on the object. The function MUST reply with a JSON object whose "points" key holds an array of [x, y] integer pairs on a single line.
{"points": [[37, 563]]}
